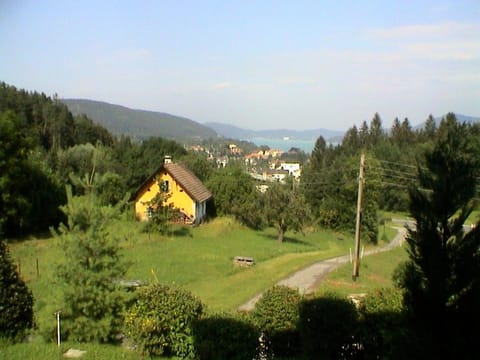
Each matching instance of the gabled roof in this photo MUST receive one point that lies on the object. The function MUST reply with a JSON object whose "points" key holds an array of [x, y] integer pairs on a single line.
{"points": [[189, 182], [192, 185]]}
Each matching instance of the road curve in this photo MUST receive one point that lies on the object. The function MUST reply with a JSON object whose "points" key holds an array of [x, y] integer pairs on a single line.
{"points": [[308, 279]]}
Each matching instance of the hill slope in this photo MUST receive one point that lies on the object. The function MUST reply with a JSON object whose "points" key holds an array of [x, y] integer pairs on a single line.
{"points": [[139, 123]]}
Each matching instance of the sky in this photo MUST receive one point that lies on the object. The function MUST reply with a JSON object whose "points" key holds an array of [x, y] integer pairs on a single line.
{"points": [[253, 64]]}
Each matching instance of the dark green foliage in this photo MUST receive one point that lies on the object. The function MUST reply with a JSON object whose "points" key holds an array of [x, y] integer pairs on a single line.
{"points": [[109, 188], [276, 315], [383, 330], [91, 271], [441, 280], [14, 147], [234, 193], [161, 214], [160, 321], [199, 165], [29, 193], [326, 327], [284, 209], [224, 336], [339, 187], [16, 299], [86, 131]]}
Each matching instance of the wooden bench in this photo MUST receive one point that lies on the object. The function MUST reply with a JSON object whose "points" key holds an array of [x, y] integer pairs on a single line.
{"points": [[243, 261]]}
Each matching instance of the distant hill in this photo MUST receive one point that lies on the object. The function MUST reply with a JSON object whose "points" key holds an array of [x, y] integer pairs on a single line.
{"points": [[233, 132], [139, 123], [460, 118]]}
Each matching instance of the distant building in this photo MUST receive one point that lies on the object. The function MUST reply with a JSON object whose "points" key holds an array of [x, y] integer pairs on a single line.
{"points": [[293, 168], [186, 192]]}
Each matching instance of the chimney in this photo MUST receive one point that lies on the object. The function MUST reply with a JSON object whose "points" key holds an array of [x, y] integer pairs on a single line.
{"points": [[167, 159]]}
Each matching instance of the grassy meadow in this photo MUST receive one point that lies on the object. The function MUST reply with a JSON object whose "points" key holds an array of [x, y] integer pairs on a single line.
{"points": [[201, 260]]}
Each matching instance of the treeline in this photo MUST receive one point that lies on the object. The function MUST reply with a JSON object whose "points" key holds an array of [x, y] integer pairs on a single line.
{"points": [[327, 192], [43, 147], [393, 159]]}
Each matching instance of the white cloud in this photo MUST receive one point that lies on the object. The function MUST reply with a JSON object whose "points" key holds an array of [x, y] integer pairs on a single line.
{"points": [[222, 85]]}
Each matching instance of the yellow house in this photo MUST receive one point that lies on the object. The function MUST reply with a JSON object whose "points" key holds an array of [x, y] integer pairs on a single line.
{"points": [[185, 192]]}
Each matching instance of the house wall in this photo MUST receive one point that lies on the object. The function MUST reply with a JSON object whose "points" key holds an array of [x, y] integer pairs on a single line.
{"points": [[179, 197]]}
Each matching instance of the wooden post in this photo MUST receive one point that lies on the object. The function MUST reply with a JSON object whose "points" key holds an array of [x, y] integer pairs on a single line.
{"points": [[356, 258], [38, 270]]}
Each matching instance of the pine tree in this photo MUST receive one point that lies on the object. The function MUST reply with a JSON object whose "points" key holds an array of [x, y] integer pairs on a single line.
{"points": [[16, 300], [91, 272], [441, 280]]}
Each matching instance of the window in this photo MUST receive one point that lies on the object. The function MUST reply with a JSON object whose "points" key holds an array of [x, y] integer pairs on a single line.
{"points": [[149, 212], [164, 186]]}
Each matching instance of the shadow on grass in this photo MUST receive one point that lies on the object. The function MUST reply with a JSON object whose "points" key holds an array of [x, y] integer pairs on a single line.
{"points": [[182, 231], [287, 239]]}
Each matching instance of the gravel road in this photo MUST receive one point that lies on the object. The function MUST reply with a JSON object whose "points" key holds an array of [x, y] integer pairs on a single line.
{"points": [[308, 279]]}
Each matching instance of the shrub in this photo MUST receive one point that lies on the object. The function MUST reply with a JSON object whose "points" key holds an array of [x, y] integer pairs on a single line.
{"points": [[326, 327], [383, 329], [224, 336], [276, 314], [160, 321], [16, 299]]}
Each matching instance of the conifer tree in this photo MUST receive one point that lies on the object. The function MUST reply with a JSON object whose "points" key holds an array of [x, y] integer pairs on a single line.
{"points": [[441, 280], [92, 270], [16, 300]]}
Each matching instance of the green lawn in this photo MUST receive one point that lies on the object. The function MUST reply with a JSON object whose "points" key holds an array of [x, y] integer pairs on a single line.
{"points": [[375, 272], [199, 259]]}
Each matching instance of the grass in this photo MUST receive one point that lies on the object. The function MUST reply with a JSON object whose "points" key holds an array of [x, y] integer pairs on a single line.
{"points": [[41, 350], [199, 259], [375, 272]]}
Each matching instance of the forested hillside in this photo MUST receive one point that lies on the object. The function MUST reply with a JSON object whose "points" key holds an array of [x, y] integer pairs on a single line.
{"points": [[120, 120], [44, 147]]}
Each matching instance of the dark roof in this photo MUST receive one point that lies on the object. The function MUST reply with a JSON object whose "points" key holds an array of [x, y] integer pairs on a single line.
{"points": [[189, 182], [192, 185]]}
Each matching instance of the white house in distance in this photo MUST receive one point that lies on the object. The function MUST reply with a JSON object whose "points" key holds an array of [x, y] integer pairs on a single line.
{"points": [[293, 169]]}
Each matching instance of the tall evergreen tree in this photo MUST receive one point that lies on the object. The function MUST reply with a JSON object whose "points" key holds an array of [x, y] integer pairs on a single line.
{"points": [[441, 280], [16, 299], [92, 270]]}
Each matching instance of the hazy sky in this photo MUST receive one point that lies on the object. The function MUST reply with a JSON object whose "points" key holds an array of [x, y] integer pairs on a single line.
{"points": [[253, 64]]}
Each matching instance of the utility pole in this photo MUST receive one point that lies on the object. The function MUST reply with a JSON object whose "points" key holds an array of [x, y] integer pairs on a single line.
{"points": [[356, 258]]}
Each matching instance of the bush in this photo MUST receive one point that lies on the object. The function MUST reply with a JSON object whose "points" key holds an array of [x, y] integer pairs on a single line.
{"points": [[327, 327], [16, 299], [224, 336], [276, 314], [160, 321], [383, 329]]}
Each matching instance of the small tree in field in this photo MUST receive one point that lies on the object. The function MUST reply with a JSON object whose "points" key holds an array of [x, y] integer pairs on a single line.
{"points": [[90, 274], [284, 210], [441, 280], [16, 300]]}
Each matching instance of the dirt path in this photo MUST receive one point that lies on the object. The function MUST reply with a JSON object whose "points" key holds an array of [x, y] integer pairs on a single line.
{"points": [[308, 279]]}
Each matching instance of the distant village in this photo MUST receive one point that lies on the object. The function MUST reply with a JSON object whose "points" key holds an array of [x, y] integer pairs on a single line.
{"points": [[264, 164]]}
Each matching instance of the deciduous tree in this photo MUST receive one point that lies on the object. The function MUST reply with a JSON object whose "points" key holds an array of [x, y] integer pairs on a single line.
{"points": [[284, 210]]}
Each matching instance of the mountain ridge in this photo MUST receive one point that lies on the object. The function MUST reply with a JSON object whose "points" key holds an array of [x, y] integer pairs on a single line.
{"points": [[121, 120], [138, 123]]}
